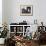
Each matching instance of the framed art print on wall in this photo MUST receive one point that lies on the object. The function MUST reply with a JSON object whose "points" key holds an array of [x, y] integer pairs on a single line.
{"points": [[26, 10]]}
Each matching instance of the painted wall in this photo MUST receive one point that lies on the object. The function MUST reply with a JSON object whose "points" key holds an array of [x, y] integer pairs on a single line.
{"points": [[0, 13], [4, 11], [11, 11]]}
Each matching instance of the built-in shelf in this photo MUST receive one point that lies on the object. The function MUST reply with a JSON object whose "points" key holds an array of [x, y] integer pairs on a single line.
{"points": [[21, 29]]}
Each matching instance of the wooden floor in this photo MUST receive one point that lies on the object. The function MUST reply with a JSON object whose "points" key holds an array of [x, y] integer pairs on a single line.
{"points": [[42, 45]]}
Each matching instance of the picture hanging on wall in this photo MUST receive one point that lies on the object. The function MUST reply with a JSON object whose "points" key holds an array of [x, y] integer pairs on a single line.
{"points": [[26, 10]]}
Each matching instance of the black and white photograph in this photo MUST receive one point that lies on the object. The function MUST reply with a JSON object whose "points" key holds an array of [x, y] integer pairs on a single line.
{"points": [[26, 10]]}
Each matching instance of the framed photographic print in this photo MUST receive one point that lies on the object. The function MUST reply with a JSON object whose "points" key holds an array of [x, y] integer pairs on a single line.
{"points": [[26, 10]]}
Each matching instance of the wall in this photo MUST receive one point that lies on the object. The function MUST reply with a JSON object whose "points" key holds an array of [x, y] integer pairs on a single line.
{"points": [[0, 13], [4, 11], [12, 11]]}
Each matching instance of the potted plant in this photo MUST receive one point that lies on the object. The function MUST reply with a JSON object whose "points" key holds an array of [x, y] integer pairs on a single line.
{"points": [[3, 34]]}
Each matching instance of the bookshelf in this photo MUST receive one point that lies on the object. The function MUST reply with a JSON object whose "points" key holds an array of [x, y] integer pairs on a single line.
{"points": [[18, 29]]}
